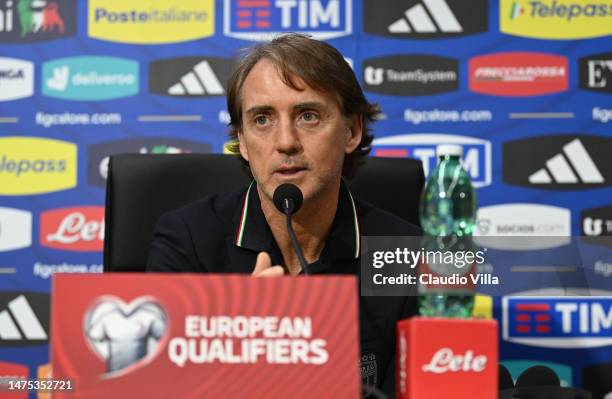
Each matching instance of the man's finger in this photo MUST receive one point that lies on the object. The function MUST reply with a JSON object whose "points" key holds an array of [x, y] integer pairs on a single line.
{"points": [[274, 271], [262, 263]]}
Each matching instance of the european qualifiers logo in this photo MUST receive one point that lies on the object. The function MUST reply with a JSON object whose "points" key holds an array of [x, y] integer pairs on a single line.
{"points": [[98, 154], [425, 19], [26, 21], [90, 78], [125, 336], [558, 162], [410, 75], [190, 76], [262, 20], [518, 74], [24, 318], [16, 79], [558, 322], [596, 73]]}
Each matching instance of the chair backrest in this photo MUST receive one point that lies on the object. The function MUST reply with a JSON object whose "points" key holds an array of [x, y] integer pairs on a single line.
{"points": [[140, 188]]}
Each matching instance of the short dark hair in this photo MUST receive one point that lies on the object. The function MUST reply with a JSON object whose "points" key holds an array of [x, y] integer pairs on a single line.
{"points": [[321, 67]]}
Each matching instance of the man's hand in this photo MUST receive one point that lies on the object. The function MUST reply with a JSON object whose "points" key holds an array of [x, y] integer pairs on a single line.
{"points": [[264, 268]]}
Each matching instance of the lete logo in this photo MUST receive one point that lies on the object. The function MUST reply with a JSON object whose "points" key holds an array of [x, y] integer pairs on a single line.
{"points": [[445, 360], [518, 74], [73, 229]]}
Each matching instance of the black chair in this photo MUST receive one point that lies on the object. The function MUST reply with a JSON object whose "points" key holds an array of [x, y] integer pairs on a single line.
{"points": [[140, 188]]}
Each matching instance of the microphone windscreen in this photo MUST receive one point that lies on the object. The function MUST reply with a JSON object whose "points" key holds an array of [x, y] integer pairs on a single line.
{"points": [[285, 191], [537, 376], [505, 379]]}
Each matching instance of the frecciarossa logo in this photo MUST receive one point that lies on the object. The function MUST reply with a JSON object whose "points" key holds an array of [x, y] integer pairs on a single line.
{"points": [[518, 74], [73, 229]]}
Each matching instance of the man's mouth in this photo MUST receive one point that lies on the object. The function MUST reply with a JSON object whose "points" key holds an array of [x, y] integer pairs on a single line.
{"points": [[289, 171]]}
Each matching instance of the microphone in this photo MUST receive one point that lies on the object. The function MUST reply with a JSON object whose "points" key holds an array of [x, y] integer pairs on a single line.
{"points": [[288, 200], [540, 382]]}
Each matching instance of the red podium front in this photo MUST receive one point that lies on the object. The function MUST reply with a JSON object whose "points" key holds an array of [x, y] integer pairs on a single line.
{"points": [[194, 336]]}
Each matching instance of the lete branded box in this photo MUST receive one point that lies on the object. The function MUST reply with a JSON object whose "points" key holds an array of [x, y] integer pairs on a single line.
{"points": [[446, 358], [193, 336]]}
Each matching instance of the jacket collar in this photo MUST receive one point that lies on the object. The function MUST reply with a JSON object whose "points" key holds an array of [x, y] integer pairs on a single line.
{"points": [[253, 233]]}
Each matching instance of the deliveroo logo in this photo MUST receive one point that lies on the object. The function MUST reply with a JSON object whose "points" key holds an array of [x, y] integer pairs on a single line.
{"points": [[90, 78]]}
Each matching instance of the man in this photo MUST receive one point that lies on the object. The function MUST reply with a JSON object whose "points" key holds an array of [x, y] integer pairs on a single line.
{"points": [[299, 117]]}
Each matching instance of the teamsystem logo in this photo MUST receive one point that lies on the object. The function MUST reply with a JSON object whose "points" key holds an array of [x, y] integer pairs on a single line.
{"points": [[556, 19], [558, 162], [150, 21], [425, 19], [90, 78], [476, 152], [15, 229], [413, 75], [596, 73], [33, 165], [190, 76], [24, 318], [262, 20], [558, 322], [125, 336], [597, 221], [35, 20], [16, 79], [99, 153], [518, 74]]}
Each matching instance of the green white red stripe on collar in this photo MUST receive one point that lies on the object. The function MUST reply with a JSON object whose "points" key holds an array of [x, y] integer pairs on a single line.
{"points": [[356, 224], [245, 209]]}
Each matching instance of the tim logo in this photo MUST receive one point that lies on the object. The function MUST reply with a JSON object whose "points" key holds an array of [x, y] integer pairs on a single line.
{"points": [[125, 335], [33, 20], [558, 322], [476, 152], [263, 19]]}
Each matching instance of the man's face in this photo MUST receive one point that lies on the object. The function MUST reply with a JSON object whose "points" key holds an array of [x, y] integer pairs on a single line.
{"points": [[291, 136]]}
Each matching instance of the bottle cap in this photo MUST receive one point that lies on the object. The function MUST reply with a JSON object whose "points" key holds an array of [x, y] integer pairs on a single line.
{"points": [[449, 149]]}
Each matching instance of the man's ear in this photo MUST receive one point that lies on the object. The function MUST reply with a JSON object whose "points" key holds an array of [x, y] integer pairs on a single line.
{"points": [[243, 149], [353, 133]]}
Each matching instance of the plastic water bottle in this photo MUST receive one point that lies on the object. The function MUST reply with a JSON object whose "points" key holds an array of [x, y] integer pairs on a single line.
{"points": [[448, 216]]}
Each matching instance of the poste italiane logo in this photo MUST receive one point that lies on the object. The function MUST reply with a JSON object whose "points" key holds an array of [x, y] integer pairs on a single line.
{"points": [[150, 22], [556, 19], [32, 165]]}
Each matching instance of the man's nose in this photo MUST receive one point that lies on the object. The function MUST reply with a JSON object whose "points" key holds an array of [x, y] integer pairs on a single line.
{"points": [[287, 138]]}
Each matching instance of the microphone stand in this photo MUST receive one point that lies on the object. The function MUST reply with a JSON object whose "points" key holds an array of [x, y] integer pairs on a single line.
{"points": [[288, 206]]}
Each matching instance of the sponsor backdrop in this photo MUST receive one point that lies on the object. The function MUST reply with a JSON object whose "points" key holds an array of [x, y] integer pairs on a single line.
{"points": [[524, 86]]}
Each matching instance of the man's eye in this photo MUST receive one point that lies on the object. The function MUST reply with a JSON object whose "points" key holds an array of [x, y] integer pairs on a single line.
{"points": [[309, 116], [261, 120]]}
